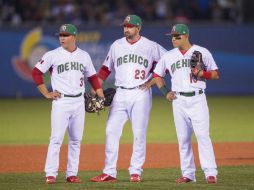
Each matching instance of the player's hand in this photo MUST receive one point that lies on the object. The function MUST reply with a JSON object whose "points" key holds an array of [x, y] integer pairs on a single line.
{"points": [[171, 96], [93, 92], [147, 85], [99, 92], [53, 95], [196, 72]]}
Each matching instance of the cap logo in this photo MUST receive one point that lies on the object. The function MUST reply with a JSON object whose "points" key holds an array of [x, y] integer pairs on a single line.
{"points": [[127, 19], [63, 27], [174, 29]]}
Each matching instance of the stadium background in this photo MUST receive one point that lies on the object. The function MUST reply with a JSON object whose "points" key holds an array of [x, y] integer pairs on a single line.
{"points": [[28, 30]]}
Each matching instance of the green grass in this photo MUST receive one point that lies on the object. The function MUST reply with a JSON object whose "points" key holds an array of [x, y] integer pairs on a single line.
{"points": [[230, 178], [27, 121]]}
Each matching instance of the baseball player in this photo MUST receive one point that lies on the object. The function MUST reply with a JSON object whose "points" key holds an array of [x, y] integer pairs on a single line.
{"points": [[131, 58], [68, 66], [190, 108]]}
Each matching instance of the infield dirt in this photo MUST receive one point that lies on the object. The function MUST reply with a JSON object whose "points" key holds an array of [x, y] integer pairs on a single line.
{"points": [[31, 158]]}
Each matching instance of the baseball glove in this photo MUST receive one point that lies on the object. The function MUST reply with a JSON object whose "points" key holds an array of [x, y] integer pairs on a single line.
{"points": [[197, 65], [93, 104], [109, 94]]}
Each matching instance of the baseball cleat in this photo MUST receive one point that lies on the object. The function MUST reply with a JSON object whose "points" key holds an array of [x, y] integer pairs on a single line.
{"points": [[183, 180], [211, 179], [135, 178], [73, 179], [50, 179], [103, 178]]}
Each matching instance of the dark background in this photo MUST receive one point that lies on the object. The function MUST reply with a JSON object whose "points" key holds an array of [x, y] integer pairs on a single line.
{"points": [[225, 27]]}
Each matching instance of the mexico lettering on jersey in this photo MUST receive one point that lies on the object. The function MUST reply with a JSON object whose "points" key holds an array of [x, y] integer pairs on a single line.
{"points": [[178, 66], [68, 69], [132, 63], [70, 66]]}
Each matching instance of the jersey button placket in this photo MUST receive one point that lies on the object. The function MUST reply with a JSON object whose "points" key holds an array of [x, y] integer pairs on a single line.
{"points": [[70, 73]]}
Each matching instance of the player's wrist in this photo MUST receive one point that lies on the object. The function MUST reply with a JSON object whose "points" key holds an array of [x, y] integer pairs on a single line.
{"points": [[206, 75], [164, 90], [200, 73]]}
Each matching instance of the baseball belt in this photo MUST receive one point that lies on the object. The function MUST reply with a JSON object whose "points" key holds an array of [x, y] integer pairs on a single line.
{"points": [[122, 87], [73, 96], [189, 94]]}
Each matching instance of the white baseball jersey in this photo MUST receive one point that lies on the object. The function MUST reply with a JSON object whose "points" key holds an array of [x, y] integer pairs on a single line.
{"points": [[132, 63], [178, 66], [190, 112], [68, 69]]}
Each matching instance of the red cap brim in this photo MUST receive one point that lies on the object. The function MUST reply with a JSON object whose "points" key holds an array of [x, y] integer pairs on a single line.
{"points": [[64, 33], [128, 24]]}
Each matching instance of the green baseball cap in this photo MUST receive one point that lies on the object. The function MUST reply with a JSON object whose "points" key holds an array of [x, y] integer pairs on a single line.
{"points": [[68, 29], [179, 29], [132, 20]]}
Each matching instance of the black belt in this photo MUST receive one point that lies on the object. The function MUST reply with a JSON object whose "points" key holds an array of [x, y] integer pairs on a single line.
{"points": [[73, 96], [189, 94], [122, 87]]}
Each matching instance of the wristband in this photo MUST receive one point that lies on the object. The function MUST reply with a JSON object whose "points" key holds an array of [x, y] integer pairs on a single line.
{"points": [[164, 90], [207, 75]]}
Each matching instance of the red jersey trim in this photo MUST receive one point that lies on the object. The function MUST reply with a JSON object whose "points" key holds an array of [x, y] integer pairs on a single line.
{"points": [[104, 72], [183, 51], [37, 76], [134, 41], [93, 80], [156, 75]]}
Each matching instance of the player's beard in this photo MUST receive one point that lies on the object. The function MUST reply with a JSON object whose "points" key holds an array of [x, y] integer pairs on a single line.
{"points": [[130, 36]]}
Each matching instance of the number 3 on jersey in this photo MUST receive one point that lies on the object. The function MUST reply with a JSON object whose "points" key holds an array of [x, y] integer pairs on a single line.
{"points": [[81, 81], [140, 74]]}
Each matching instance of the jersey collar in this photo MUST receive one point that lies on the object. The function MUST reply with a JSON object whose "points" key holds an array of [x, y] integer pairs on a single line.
{"points": [[183, 52], [134, 41]]}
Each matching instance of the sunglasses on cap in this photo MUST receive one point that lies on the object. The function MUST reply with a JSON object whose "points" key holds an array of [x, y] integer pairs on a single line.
{"points": [[176, 36], [64, 35]]}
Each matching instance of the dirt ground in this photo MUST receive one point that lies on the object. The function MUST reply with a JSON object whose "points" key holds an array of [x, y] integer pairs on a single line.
{"points": [[32, 158]]}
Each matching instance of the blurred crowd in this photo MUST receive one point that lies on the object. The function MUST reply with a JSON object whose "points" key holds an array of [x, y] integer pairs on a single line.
{"points": [[112, 12]]}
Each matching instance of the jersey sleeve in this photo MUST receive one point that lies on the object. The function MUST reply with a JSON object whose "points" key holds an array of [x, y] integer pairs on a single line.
{"points": [[44, 63], [159, 52], [160, 68], [89, 69], [108, 62], [209, 62]]}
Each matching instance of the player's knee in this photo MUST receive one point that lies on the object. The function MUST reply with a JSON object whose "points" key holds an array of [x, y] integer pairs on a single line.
{"points": [[110, 131], [202, 137], [75, 142], [56, 141], [184, 139]]}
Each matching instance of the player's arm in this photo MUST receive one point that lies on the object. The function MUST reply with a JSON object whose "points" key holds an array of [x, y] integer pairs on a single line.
{"points": [[96, 85], [209, 75], [160, 83], [103, 73], [100, 78], [212, 73], [38, 80]]}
